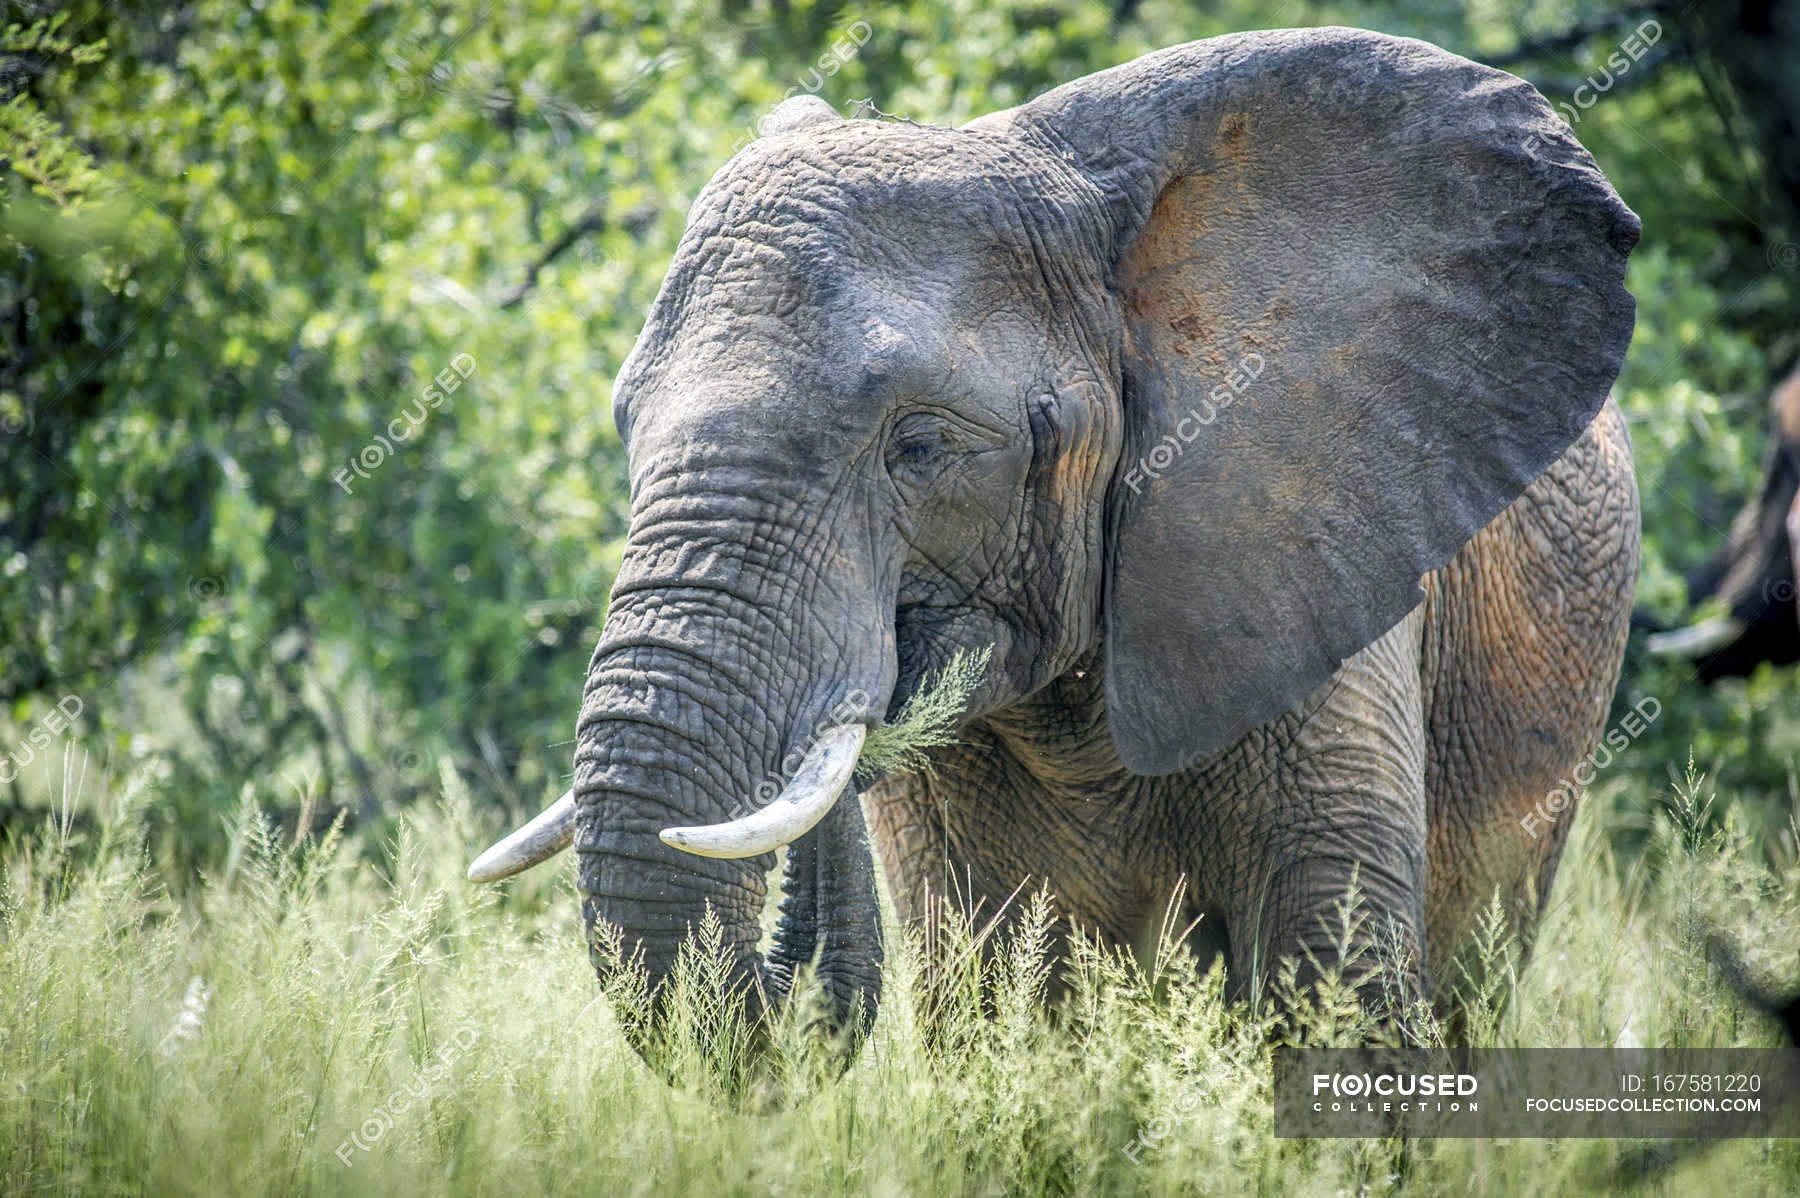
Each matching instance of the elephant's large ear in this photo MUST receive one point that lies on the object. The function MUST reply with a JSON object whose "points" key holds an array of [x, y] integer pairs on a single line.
{"points": [[1370, 291]]}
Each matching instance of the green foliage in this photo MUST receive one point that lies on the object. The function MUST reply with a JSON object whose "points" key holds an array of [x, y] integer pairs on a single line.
{"points": [[300, 1023], [239, 245], [244, 247], [1694, 389]]}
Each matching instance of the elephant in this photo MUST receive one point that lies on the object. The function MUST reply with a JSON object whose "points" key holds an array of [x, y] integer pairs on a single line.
{"points": [[1248, 402], [1753, 574]]}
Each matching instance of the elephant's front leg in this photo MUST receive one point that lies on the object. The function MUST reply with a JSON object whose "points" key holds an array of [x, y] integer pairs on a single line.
{"points": [[994, 822], [1323, 805]]}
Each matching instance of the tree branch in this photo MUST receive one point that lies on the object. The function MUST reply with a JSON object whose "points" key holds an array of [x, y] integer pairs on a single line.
{"points": [[592, 221]]}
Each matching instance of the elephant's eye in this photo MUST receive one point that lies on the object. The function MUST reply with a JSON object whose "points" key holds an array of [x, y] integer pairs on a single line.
{"points": [[917, 445]]}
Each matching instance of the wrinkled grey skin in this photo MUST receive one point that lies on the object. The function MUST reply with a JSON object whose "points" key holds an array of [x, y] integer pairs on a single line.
{"points": [[889, 403]]}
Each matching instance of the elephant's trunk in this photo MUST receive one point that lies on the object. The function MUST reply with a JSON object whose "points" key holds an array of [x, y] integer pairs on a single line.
{"points": [[707, 695]]}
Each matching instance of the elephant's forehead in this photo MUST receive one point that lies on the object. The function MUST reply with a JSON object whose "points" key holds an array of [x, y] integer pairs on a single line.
{"points": [[829, 202], [848, 263], [856, 240], [871, 170]]}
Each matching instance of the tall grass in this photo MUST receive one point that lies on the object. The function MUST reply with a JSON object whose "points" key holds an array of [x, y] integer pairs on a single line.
{"points": [[311, 1019]]}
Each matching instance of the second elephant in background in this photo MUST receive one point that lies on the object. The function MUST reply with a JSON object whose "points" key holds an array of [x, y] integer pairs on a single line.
{"points": [[1753, 574]]}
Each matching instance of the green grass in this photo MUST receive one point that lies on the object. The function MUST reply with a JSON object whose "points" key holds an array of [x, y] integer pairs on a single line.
{"points": [[334, 980], [928, 720]]}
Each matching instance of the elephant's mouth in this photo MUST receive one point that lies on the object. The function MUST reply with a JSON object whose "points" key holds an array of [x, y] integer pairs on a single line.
{"points": [[816, 786]]}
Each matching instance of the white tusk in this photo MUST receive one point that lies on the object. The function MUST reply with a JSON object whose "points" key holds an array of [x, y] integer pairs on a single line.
{"points": [[814, 789], [543, 838], [1696, 640]]}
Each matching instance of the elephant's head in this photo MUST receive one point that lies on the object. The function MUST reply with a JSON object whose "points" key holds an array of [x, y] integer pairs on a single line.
{"points": [[1753, 574], [1204, 360]]}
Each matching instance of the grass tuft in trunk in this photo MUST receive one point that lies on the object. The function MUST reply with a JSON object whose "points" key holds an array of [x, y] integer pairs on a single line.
{"points": [[927, 721]]}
